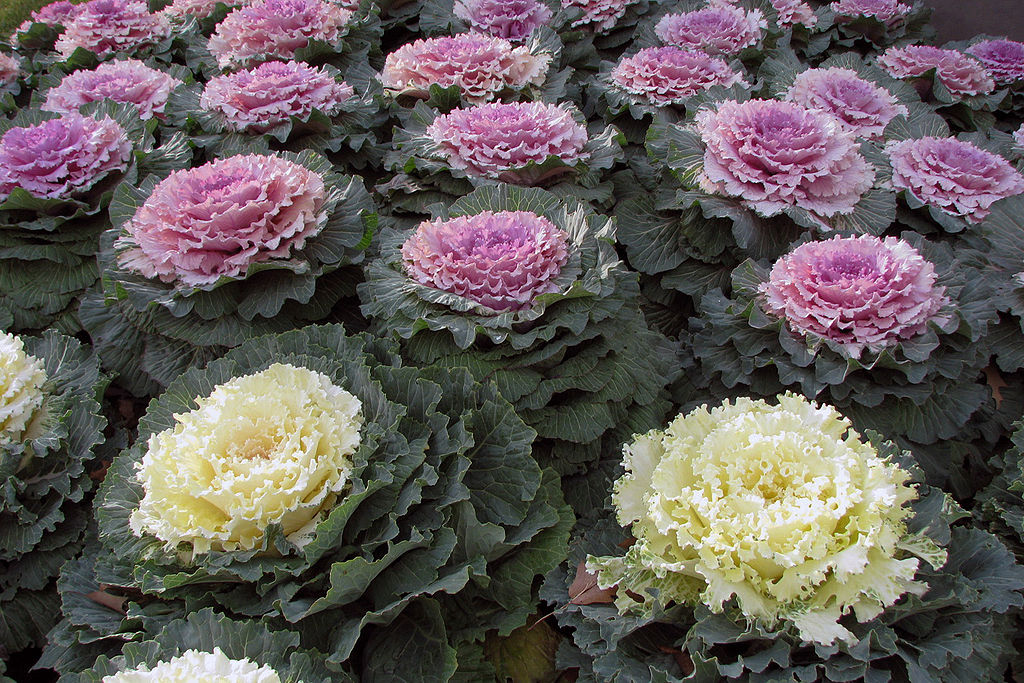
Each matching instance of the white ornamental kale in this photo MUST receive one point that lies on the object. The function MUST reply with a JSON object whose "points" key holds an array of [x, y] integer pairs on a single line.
{"points": [[781, 507], [274, 447], [193, 665], [21, 387]]}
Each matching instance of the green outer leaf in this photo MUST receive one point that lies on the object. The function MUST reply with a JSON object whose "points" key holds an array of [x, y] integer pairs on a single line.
{"points": [[413, 648], [653, 241]]}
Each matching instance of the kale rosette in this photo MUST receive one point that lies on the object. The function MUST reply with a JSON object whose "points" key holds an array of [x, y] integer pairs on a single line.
{"points": [[311, 480]]}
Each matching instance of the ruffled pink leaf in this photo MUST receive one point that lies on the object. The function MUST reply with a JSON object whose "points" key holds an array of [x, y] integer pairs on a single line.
{"points": [[216, 220], [953, 175], [861, 292], [501, 260], [774, 155]]}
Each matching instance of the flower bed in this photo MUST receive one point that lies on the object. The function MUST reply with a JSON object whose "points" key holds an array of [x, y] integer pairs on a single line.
{"points": [[540, 340]]}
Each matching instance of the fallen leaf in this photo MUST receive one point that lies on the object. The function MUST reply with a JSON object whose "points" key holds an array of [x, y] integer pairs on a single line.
{"points": [[109, 600], [995, 383], [584, 590]]}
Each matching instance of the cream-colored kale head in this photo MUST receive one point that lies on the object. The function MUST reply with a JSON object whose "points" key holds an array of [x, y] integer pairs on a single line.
{"points": [[781, 506], [274, 447], [192, 666], [21, 387]]}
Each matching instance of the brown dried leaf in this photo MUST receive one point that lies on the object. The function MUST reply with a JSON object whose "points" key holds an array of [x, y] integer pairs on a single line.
{"points": [[114, 602], [584, 590], [995, 383]]}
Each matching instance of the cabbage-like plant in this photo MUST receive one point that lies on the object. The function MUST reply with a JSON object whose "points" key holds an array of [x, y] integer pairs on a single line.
{"points": [[11, 76], [205, 645], [50, 425], [862, 96], [214, 255], [104, 28], [954, 181], [57, 176], [660, 83], [738, 158], [444, 156], [516, 21], [1003, 61], [719, 29], [864, 25], [282, 106], [471, 68], [892, 334], [770, 542], [312, 31], [127, 81], [401, 513], [528, 293]]}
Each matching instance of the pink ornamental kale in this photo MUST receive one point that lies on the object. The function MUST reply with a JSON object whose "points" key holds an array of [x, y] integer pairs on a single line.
{"points": [[962, 75], [1018, 136], [670, 75], [792, 12], [482, 66], [179, 9], [494, 140], [953, 175], [272, 29], [56, 13], [216, 220], [1002, 59], [719, 29], [886, 11], [62, 157], [108, 26], [258, 99], [509, 19], [501, 260], [128, 81], [861, 107], [774, 155], [599, 15], [10, 70], [861, 292]]}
